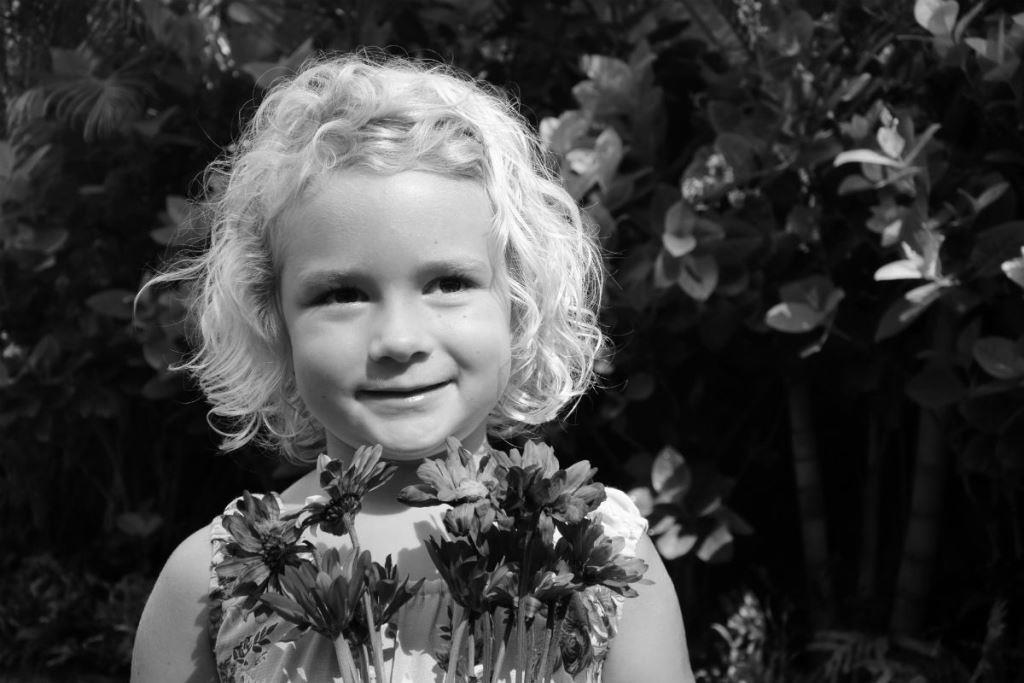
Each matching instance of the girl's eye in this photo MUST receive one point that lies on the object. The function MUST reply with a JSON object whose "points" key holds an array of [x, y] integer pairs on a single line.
{"points": [[342, 295], [451, 284]]}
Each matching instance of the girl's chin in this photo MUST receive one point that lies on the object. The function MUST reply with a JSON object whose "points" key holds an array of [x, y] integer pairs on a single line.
{"points": [[405, 453], [401, 451]]}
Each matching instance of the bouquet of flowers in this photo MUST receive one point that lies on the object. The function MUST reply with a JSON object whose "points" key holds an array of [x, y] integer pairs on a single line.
{"points": [[520, 557]]}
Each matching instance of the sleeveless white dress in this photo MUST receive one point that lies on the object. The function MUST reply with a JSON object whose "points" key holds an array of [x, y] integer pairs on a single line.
{"points": [[269, 650]]}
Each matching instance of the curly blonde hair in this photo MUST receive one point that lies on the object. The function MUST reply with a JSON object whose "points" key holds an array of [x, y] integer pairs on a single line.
{"points": [[385, 115]]}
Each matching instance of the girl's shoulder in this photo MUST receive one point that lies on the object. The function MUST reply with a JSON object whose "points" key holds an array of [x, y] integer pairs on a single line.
{"points": [[172, 633]]}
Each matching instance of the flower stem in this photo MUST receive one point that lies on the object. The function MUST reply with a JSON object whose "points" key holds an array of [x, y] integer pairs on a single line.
{"points": [[524, 573], [549, 634], [375, 644], [488, 645], [502, 648], [349, 673], [521, 664], [471, 649], [350, 524], [364, 663], [458, 629]]}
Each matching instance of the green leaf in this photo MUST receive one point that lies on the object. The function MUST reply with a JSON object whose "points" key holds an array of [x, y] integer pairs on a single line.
{"points": [[267, 73], [1014, 269], [793, 317], [996, 245], [43, 240], [241, 13], [162, 386], [938, 17], [564, 133], [966, 19], [989, 196], [26, 169], [795, 33], [674, 543], [724, 116], [139, 524], [44, 353], [75, 63], [286, 608], [999, 357], [816, 290], [936, 386], [609, 150], [906, 309], [736, 523], [101, 106], [608, 73], [806, 304], [739, 153], [114, 303], [865, 156], [854, 183], [922, 140], [698, 276], [903, 269], [850, 88], [717, 546], [890, 141], [713, 24], [678, 235], [803, 222], [150, 127], [641, 497], [6, 160], [858, 127], [639, 387], [161, 353], [670, 471], [822, 148]]}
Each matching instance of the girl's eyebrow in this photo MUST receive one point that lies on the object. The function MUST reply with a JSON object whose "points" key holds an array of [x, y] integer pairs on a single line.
{"points": [[469, 265], [466, 265]]}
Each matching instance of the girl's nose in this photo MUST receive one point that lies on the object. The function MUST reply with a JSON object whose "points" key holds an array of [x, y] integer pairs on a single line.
{"points": [[399, 334]]}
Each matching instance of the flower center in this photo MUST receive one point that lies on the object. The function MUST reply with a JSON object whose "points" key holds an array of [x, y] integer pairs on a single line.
{"points": [[273, 552], [347, 503]]}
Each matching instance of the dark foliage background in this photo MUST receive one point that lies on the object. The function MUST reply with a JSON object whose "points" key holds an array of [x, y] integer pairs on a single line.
{"points": [[813, 221]]}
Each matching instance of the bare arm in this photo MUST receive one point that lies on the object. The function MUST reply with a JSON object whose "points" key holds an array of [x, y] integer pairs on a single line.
{"points": [[172, 643], [651, 644]]}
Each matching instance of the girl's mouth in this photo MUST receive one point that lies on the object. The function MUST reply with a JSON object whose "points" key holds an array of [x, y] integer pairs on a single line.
{"points": [[400, 393]]}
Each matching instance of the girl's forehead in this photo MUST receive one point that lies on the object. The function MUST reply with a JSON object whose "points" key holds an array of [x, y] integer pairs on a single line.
{"points": [[412, 210]]}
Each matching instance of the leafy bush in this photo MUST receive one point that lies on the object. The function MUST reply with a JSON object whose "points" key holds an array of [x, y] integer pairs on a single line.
{"points": [[767, 176], [53, 616]]}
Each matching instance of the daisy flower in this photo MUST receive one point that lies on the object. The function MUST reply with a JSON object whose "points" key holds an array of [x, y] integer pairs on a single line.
{"points": [[263, 546], [597, 560], [345, 488], [455, 479]]}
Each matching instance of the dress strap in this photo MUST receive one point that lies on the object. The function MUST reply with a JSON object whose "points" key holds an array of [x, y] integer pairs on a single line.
{"points": [[621, 519]]}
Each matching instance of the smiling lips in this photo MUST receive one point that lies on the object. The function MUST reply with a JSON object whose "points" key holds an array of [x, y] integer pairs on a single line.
{"points": [[401, 394]]}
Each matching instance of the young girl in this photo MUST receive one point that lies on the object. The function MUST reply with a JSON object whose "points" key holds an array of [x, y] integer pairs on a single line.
{"points": [[390, 263]]}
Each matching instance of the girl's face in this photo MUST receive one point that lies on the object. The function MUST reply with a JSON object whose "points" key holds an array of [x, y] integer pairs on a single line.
{"points": [[395, 309]]}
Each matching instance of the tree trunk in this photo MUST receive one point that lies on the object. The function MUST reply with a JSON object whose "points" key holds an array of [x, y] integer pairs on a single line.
{"points": [[871, 502], [807, 472], [913, 581]]}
